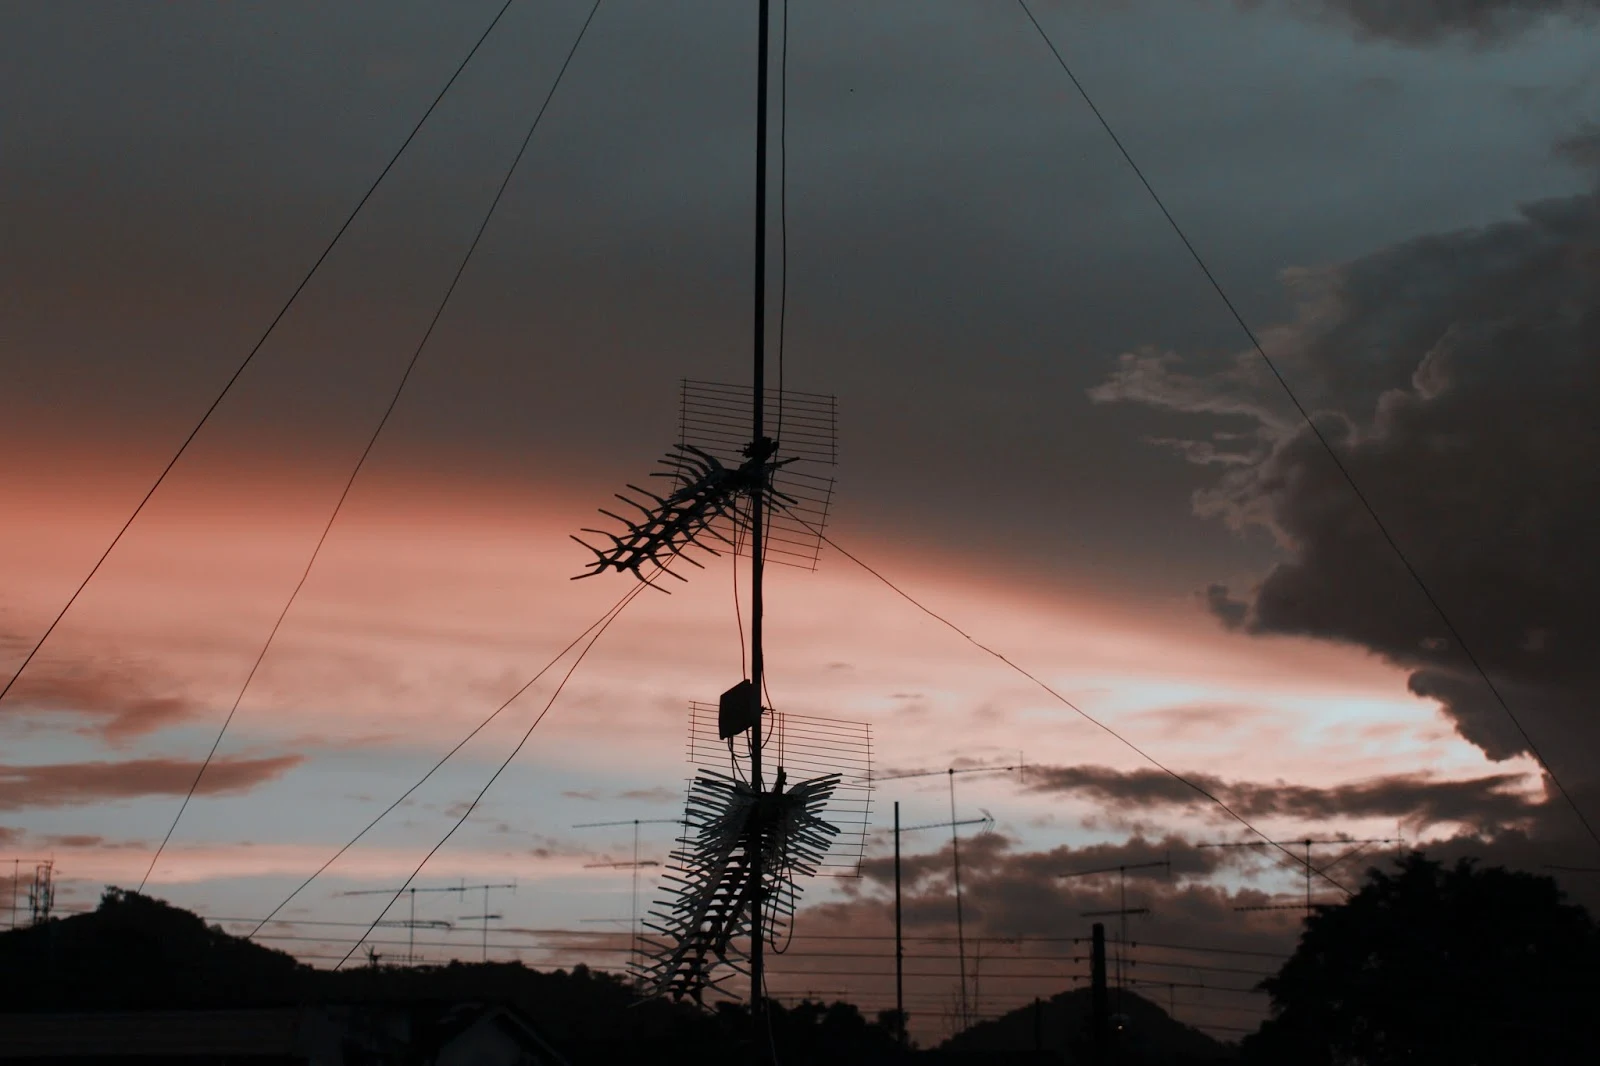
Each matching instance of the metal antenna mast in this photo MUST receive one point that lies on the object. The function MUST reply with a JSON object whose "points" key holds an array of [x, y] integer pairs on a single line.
{"points": [[987, 822], [758, 442], [955, 858], [748, 836]]}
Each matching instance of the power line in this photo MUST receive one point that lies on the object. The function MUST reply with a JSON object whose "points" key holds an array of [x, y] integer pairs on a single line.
{"points": [[1214, 951], [627, 599], [366, 452], [239, 371], [1316, 431], [1086, 716], [603, 620]]}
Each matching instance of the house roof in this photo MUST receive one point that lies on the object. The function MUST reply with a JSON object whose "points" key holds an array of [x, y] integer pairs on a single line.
{"points": [[463, 1017]]}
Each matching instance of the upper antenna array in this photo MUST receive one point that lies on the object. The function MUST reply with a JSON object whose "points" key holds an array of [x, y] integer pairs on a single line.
{"points": [[713, 418], [712, 469]]}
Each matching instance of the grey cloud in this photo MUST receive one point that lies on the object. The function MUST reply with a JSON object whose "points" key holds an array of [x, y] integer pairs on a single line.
{"points": [[1455, 378], [1488, 802], [72, 784], [659, 794], [1581, 148], [1229, 611], [122, 699], [1419, 22]]}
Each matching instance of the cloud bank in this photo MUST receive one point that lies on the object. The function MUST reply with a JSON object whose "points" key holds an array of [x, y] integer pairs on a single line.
{"points": [[1426, 22]]}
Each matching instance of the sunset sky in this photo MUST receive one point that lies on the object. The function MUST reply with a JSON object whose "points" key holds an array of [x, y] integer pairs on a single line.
{"points": [[1052, 433]]}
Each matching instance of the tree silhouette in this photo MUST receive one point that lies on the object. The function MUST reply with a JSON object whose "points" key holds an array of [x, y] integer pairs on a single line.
{"points": [[1430, 964]]}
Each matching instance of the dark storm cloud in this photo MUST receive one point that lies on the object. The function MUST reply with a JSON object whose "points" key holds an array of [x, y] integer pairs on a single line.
{"points": [[72, 784], [1456, 376], [1010, 897], [1582, 149], [951, 207], [1418, 22], [1418, 799]]}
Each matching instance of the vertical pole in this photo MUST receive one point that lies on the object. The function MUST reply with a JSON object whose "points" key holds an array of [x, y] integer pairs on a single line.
{"points": [[899, 943], [485, 923], [411, 932], [16, 875], [1122, 917], [955, 866], [758, 396], [1308, 878], [633, 909], [1099, 1006]]}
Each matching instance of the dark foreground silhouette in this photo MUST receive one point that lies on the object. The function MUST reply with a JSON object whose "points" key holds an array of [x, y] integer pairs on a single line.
{"points": [[1424, 965], [1439, 965]]}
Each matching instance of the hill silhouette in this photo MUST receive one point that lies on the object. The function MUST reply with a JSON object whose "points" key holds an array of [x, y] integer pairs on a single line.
{"points": [[138, 953], [1060, 1027], [133, 953]]}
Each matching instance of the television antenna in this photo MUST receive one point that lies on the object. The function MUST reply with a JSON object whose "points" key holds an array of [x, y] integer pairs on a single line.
{"points": [[42, 893], [953, 824], [1307, 844], [635, 865], [746, 837], [987, 821], [410, 923], [1122, 911]]}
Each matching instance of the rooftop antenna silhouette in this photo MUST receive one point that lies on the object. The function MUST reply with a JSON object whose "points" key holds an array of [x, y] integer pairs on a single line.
{"points": [[950, 773], [635, 865], [42, 893], [724, 494], [1306, 843], [486, 917], [411, 923], [987, 821], [1123, 911], [16, 881]]}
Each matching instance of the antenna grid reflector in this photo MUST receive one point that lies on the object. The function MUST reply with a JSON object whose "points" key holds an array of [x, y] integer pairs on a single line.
{"points": [[715, 418], [805, 746]]}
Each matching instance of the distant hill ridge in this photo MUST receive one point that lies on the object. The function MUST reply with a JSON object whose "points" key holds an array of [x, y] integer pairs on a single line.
{"points": [[1060, 1026]]}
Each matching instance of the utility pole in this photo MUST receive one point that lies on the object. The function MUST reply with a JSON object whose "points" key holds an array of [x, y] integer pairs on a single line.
{"points": [[1307, 844], [1099, 1001]]}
